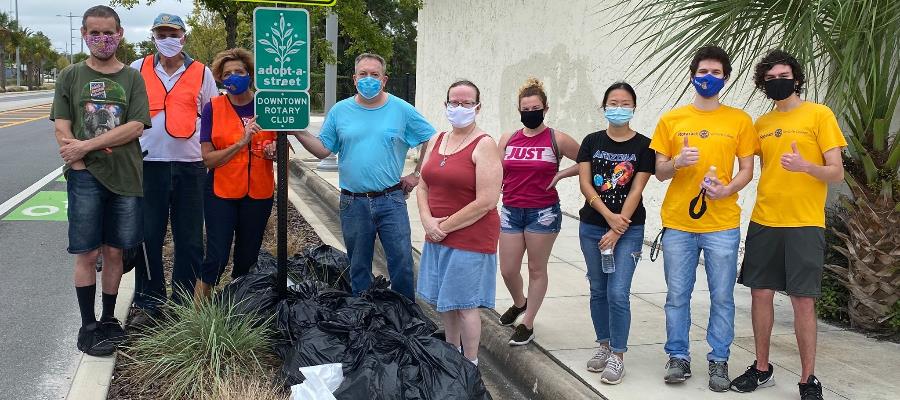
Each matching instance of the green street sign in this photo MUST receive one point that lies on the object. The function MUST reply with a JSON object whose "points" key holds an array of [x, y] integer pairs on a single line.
{"points": [[43, 206], [281, 48], [326, 3], [282, 111]]}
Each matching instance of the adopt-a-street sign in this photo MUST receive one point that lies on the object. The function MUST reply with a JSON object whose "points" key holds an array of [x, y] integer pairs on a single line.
{"points": [[281, 48], [282, 110], [326, 3]]}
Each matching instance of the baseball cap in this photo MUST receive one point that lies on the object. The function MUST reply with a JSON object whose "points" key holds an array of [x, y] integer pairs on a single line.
{"points": [[168, 20]]}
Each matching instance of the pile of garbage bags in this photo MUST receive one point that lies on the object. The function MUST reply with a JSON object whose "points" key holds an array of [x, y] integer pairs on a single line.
{"points": [[382, 339]]}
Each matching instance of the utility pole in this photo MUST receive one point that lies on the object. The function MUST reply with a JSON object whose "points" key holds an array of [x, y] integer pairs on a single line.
{"points": [[331, 34], [71, 37], [18, 65]]}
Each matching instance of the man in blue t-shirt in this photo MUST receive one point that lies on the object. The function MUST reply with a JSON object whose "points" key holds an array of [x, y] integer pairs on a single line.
{"points": [[372, 132]]}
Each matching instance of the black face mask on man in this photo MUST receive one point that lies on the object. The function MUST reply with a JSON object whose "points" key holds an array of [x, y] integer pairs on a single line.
{"points": [[532, 119], [779, 89]]}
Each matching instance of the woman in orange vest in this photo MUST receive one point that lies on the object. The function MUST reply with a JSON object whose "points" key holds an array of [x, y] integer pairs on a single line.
{"points": [[240, 183]]}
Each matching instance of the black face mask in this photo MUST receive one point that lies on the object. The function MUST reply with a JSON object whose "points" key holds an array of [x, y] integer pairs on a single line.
{"points": [[532, 119], [779, 89]]}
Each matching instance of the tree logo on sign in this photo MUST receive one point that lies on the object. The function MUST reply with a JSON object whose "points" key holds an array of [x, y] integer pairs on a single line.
{"points": [[283, 43]]}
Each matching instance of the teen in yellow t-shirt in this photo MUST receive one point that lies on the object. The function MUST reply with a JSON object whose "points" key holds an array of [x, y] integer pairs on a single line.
{"points": [[689, 141], [800, 144]]}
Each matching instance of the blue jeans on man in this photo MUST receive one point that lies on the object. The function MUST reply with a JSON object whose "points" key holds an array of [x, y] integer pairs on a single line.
{"points": [[681, 254], [362, 218], [610, 303], [171, 189]]}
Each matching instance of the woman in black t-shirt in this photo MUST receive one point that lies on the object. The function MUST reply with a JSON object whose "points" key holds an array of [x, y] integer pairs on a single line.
{"points": [[614, 167]]}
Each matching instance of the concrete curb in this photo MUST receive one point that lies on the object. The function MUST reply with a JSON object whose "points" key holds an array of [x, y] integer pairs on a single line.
{"points": [[535, 369], [93, 374]]}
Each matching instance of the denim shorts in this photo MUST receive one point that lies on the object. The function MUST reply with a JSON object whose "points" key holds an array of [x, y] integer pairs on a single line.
{"points": [[98, 216], [454, 279], [534, 220]]}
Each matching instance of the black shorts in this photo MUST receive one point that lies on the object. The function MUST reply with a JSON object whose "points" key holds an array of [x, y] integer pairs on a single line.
{"points": [[786, 259]]}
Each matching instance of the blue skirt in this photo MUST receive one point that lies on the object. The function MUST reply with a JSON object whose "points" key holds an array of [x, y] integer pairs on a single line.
{"points": [[453, 279]]}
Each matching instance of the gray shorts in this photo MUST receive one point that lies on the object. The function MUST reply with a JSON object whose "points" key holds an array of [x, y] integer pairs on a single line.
{"points": [[786, 259]]}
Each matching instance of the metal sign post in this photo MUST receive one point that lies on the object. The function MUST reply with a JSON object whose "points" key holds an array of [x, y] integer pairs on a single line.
{"points": [[281, 54]]}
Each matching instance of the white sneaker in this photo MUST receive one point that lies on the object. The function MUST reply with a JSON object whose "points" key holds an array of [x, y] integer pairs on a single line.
{"points": [[598, 361], [614, 371]]}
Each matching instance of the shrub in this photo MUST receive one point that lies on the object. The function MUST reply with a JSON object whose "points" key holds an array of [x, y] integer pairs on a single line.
{"points": [[193, 351], [11, 89], [47, 86], [832, 304]]}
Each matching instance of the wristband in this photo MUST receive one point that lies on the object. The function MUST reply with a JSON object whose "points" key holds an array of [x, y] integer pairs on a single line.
{"points": [[675, 162], [591, 201]]}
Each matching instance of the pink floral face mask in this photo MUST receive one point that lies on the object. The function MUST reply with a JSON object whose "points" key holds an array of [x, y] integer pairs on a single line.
{"points": [[103, 46]]}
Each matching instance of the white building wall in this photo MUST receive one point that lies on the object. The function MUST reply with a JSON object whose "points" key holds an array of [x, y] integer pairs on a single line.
{"points": [[572, 47]]}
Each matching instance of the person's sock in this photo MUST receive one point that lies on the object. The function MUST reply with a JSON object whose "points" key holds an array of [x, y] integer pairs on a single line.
{"points": [[475, 361], [85, 296], [459, 349], [109, 305]]}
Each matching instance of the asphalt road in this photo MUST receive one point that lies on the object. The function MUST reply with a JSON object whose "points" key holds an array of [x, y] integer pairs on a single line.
{"points": [[25, 96], [37, 300]]}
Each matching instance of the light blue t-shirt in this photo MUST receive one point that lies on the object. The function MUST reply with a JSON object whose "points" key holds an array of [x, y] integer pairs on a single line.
{"points": [[371, 143]]}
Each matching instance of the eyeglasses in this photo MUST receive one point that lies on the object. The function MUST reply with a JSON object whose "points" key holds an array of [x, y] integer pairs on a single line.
{"points": [[466, 104]]}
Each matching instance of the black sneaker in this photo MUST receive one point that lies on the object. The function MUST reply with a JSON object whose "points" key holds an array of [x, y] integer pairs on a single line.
{"points": [[509, 317], [811, 390], [521, 336], [753, 379], [677, 370], [112, 328], [93, 342]]}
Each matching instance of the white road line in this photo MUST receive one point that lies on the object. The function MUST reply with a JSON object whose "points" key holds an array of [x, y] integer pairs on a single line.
{"points": [[15, 200]]}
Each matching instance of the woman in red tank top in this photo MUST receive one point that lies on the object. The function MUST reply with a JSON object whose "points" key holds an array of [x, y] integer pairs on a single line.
{"points": [[457, 198], [530, 218]]}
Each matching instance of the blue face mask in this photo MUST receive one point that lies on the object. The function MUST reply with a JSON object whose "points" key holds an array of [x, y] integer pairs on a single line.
{"points": [[618, 116], [708, 85], [368, 87], [236, 84]]}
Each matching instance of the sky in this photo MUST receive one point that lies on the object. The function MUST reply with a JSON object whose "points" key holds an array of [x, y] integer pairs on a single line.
{"points": [[40, 15]]}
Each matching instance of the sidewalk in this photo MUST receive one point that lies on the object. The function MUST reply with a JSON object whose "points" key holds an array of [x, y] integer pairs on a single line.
{"points": [[850, 365]]}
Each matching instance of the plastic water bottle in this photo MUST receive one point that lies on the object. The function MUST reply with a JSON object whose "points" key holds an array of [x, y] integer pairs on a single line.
{"points": [[607, 261]]}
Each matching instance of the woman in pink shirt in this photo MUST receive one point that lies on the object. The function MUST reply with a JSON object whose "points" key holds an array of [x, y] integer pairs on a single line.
{"points": [[530, 218]]}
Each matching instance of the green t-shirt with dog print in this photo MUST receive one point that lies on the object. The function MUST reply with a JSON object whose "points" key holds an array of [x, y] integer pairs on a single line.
{"points": [[97, 103]]}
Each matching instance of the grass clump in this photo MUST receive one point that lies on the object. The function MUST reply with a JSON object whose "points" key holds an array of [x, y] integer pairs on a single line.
{"points": [[195, 351]]}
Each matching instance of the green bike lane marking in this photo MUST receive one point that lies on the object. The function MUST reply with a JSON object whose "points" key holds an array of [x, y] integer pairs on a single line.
{"points": [[43, 206]]}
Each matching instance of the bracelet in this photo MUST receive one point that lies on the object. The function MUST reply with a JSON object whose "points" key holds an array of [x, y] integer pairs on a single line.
{"points": [[591, 201], [675, 162]]}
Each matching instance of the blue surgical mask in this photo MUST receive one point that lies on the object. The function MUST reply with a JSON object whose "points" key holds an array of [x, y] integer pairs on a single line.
{"points": [[618, 116], [368, 87], [708, 85], [236, 84]]}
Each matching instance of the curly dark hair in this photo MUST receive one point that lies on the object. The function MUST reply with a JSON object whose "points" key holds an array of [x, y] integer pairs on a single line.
{"points": [[773, 58], [711, 52]]}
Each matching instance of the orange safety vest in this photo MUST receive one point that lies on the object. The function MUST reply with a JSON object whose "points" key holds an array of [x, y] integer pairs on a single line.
{"points": [[180, 103], [247, 173]]}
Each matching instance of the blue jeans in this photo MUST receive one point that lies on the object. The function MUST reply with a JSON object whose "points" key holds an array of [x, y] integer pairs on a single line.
{"points": [[242, 221], [171, 189], [610, 304], [98, 216], [361, 219], [681, 254]]}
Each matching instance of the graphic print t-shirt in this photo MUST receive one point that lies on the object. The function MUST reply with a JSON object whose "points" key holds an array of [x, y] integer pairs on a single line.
{"points": [[613, 168], [97, 103]]}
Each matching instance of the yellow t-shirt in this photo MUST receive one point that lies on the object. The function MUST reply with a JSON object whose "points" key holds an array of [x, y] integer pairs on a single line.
{"points": [[720, 136], [794, 199]]}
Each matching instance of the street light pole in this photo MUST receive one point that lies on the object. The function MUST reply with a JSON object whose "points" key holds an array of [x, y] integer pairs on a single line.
{"points": [[71, 37]]}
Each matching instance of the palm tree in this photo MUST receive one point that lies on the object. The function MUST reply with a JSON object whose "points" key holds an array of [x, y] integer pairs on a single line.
{"points": [[851, 50], [10, 37]]}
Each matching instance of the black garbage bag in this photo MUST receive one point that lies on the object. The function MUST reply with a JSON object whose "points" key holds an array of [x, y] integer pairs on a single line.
{"points": [[322, 263], [251, 293], [133, 258], [313, 347], [402, 314], [418, 367], [265, 264]]}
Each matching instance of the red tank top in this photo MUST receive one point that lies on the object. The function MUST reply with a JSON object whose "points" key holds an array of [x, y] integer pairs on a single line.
{"points": [[452, 187], [529, 165]]}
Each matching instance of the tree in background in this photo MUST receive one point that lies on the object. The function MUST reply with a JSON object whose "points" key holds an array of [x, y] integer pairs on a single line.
{"points": [[10, 37], [127, 52], [227, 10], [851, 50], [145, 47], [79, 57], [206, 38]]}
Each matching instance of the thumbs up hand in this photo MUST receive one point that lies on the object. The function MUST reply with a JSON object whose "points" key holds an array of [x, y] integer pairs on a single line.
{"points": [[793, 161], [688, 155]]}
